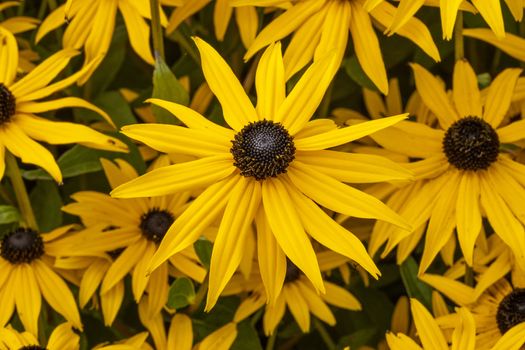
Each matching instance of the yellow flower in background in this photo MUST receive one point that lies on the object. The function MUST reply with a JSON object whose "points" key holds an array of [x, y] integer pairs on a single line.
{"points": [[19, 102], [129, 230], [90, 24], [431, 336], [275, 158], [18, 24], [62, 338], [320, 26], [27, 274], [464, 174], [136, 342], [511, 44]]}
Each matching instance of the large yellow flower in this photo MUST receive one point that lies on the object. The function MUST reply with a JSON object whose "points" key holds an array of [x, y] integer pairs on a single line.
{"points": [[464, 174], [274, 160], [19, 103], [62, 338], [27, 273], [320, 26]]}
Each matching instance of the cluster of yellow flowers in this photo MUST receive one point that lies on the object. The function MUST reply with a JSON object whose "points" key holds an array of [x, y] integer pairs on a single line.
{"points": [[294, 171]]}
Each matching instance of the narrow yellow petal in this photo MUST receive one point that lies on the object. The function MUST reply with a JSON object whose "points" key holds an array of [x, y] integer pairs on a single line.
{"points": [[511, 44], [466, 92], [499, 96], [458, 292], [490, 10], [513, 132], [427, 328], [288, 230], [27, 298], [111, 302], [8, 57], [513, 339], [157, 289], [497, 270], [63, 337], [468, 214], [464, 336], [91, 280], [273, 315], [54, 20], [406, 10], [99, 38], [247, 20], [449, 11], [123, 264], [138, 30], [315, 303], [401, 316], [401, 342], [221, 18], [221, 339], [340, 297], [297, 304], [344, 135], [237, 108], [230, 241], [270, 83], [184, 12], [180, 334], [140, 278], [248, 307]]}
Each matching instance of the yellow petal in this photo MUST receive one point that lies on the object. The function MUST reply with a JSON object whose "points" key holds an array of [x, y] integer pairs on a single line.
{"points": [[449, 11], [401, 342], [221, 18], [221, 339], [464, 336], [468, 214], [157, 290], [54, 20], [499, 96], [341, 198], [237, 108], [340, 297], [140, 278], [366, 46], [288, 231], [138, 30], [99, 38], [248, 307], [427, 328], [8, 57], [406, 10], [178, 177], [270, 83], [111, 302], [466, 92], [91, 280], [183, 12], [490, 10], [513, 132], [247, 20], [230, 241], [297, 304], [57, 293], [315, 303], [458, 292], [27, 298], [123, 264], [341, 136], [273, 315], [513, 339], [511, 44], [180, 334], [63, 337]]}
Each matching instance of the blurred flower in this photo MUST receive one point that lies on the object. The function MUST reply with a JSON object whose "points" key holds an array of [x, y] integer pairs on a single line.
{"points": [[321, 26], [274, 162], [136, 342], [27, 273], [17, 24], [62, 338], [19, 101], [511, 44]]}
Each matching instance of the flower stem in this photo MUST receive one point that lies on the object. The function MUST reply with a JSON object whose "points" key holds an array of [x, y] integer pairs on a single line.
{"points": [[156, 29], [271, 341], [330, 345], [19, 187], [459, 47]]}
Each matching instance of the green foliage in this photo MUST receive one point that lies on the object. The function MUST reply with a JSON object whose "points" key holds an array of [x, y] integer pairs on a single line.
{"points": [[181, 293]]}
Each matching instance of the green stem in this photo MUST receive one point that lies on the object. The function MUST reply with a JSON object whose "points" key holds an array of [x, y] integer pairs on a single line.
{"points": [[459, 47], [330, 345], [469, 276], [199, 297], [271, 341], [156, 29], [24, 205]]}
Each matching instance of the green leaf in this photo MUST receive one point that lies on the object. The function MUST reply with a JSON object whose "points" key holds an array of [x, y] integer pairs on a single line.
{"points": [[181, 293], [203, 248], [414, 287], [357, 339], [46, 202], [247, 337], [82, 160], [8, 214], [167, 87], [354, 71]]}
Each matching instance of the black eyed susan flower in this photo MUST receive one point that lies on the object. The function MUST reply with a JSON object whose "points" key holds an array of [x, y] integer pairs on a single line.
{"points": [[27, 274], [62, 338], [320, 26], [19, 104], [274, 160], [122, 235], [464, 172], [431, 336]]}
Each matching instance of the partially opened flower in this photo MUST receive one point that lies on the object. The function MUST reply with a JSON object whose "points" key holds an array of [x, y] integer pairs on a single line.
{"points": [[431, 336], [463, 173], [27, 274], [62, 338], [274, 159], [122, 236], [320, 26], [19, 104]]}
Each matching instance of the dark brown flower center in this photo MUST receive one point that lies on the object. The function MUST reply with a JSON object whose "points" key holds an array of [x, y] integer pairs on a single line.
{"points": [[155, 223], [32, 347], [511, 310], [471, 144], [7, 104], [263, 149], [22, 246], [292, 272]]}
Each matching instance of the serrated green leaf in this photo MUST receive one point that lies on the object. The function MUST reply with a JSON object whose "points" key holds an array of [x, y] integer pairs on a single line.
{"points": [[167, 87], [203, 248], [8, 214], [414, 287], [181, 293]]}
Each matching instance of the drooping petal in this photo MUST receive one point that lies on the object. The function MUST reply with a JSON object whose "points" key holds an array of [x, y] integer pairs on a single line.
{"points": [[490, 10], [297, 304], [230, 241], [91, 280], [111, 302], [427, 328], [99, 38], [315, 303], [237, 108], [468, 214], [27, 297], [449, 12], [340, 297], [138, 30]]}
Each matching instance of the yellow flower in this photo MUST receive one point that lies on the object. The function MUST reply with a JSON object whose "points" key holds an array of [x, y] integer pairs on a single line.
{"points": [[490, 10], [91, 24], [320, 26], [19, 103], [498, 315], [129, 230], [464, 175], [62, 338], [273, 161], [246, 18], [27, 273], [511, 44], [431, 336], [18, 24]]}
